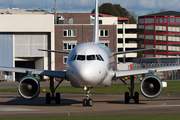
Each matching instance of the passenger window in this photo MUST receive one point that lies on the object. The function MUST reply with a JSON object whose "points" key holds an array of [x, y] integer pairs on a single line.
{"points": [[101, 57], [91, 57], [81, 57], [98, 58]]}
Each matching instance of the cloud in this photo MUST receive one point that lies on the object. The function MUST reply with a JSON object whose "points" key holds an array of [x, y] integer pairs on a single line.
{"points": [[138, 6]]}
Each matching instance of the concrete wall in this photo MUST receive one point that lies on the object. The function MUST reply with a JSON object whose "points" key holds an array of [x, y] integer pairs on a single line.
{"points": [[27, 23]]}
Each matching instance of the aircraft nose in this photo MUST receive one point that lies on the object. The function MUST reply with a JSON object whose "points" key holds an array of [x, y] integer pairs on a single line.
{"points": [[90, 75]]}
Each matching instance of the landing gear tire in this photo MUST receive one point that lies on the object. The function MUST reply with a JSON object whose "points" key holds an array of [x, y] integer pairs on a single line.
{"points": [[136, 97], [85, 102], [48, 98], [127, 97], [57, 98], [90, 102]]}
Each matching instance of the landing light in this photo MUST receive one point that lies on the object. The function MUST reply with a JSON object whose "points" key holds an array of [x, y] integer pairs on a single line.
{"points": [[85, 88]]}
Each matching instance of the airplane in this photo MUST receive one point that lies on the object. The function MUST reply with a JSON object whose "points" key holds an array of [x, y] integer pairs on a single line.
{"points": [[90, 65]]}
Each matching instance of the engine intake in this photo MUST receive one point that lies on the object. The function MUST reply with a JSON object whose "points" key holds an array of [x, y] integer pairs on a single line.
{"points": [[151, 86], [29, 87]]}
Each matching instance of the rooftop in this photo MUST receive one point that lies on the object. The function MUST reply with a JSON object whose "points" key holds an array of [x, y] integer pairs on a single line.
{"points": [[104, 15], [162, 14], [22, 11]]}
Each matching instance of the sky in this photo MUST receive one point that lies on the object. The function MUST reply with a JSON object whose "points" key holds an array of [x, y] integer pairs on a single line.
{"points": [[140, 7]]}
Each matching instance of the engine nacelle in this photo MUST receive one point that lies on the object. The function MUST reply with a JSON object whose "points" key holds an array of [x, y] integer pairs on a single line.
{"points": [[151, 86], [29, 87]]}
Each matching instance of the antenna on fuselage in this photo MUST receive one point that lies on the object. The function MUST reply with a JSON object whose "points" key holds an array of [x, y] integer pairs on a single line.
{"points": [[96, 24]]}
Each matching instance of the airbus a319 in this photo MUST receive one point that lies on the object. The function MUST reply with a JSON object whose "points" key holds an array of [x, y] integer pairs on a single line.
{"points": [[90, 65]]}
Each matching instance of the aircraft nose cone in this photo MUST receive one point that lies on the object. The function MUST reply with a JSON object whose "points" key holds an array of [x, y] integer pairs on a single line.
{"points": [[90, 75]]}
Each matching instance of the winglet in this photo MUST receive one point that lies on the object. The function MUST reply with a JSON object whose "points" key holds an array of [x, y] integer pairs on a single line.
{"points": [[96, 24]]}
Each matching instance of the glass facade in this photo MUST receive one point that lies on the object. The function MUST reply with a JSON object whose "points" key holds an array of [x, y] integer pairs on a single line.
{"points": [[161, 20], [149, 29], [162, 33], [149, 39], [161, 29]]}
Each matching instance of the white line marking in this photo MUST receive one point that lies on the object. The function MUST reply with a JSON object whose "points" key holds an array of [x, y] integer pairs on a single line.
{"points": [[15, 109]]}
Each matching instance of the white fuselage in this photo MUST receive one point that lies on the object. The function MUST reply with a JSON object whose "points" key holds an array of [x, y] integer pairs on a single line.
{"points": [[90, 65]]}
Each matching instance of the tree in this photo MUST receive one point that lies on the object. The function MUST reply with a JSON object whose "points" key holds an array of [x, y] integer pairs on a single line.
{"points": [[116, 10], [140, 54]]}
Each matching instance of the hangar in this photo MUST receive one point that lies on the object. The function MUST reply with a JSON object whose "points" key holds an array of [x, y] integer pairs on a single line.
{"points": [[22, 32]]}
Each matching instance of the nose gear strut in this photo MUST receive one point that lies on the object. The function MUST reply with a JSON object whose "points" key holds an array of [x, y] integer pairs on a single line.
{"points": [[88, 101]]}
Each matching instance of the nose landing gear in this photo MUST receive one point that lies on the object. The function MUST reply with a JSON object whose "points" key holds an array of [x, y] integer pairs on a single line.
{"points": [[88, 101]]}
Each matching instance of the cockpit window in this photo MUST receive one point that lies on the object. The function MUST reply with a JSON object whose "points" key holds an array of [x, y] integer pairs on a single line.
{"points": [[98, 58], [101, 57], [91, 57], [73, 58], [81, 57], [88, 57]]}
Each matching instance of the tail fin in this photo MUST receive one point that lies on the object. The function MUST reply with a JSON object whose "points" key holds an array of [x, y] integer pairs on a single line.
{"points": [[96, 24]]}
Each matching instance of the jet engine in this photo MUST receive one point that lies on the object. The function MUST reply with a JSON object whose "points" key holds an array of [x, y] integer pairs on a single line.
{"points": [[151, 86], [29, 87]]}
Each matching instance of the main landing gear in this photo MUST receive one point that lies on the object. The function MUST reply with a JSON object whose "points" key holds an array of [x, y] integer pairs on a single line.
{"points": [[134, 96], [88, 101], [57, 98]]}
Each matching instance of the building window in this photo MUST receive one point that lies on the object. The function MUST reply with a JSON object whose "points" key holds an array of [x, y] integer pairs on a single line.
{"points": [[65, 59], [173, 47], [103, 33], [149, 38], [161, 48], [161, 29], [60, 21], [161, 38], [177, 20], [173, 28], [141, 28], [171, 20], [161, 20], [71, 21], [106, 43], [149, 20], [141, 21], [100, 21], [174, 38], [69, 45], [69, 33], [149, 29]]}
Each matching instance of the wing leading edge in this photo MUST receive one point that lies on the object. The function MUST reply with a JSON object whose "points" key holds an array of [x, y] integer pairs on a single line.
{"points": [[132, 51], [59, 74], [56, 51]]}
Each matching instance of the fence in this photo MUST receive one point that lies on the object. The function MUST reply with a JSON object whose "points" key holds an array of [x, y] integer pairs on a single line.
{"points": [[167, 75]]}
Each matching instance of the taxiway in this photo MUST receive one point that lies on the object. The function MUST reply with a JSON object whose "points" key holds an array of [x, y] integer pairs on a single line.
{"points": [[12, 105]]}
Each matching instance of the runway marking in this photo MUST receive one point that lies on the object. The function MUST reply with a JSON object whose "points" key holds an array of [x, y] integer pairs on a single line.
{"points": [[164, 105], [14, 109]]}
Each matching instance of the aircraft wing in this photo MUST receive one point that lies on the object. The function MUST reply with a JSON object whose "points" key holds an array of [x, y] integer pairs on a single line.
{"points": [[132, 51], [56, 51], [53, 73], [123, 73]]}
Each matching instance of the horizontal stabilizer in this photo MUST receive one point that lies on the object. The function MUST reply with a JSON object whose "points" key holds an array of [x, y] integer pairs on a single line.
{"points": [[56, 51]]}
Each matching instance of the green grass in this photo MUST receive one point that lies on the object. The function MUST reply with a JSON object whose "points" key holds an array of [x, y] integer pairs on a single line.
{"points": [[120, 117], [173, 87]]}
